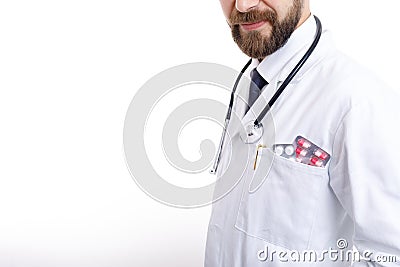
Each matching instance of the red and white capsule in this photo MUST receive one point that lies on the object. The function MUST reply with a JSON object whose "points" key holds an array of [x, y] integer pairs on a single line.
{"points": [[320, 154], [303, 143], [301, 151], [316, 161]]}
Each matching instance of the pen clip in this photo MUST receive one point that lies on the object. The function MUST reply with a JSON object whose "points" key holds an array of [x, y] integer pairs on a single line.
{"points": [[255, 160]]}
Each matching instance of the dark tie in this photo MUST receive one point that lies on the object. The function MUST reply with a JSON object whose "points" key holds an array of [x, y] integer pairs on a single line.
{"points": [[258, 82]]}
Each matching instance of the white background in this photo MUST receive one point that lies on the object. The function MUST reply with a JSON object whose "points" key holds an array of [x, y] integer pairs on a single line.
{"points": [[68, 71]]}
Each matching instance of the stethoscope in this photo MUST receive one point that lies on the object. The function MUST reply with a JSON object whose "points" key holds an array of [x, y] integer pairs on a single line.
{"points": [[254, 130]]}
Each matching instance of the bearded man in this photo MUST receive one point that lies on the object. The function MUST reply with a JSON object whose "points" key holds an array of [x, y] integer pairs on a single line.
{"points": [[333, 182]]}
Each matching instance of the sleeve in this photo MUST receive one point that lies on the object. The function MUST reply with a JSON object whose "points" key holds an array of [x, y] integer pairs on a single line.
{"points": [[365, 176]]}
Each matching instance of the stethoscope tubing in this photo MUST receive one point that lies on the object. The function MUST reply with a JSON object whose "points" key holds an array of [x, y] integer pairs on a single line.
{"points": [[273, 99], [292, 73]]}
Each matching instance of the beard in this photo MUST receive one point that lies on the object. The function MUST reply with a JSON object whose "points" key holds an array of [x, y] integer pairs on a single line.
{"points": [[253, 43]]}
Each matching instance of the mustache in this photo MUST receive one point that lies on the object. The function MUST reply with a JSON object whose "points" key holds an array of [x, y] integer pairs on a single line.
{"points": [[237, 17]]}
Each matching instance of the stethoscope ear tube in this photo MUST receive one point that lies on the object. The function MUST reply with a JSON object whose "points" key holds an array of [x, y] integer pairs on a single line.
{"points": [[228, 118], [228, 114], [221, 143]]}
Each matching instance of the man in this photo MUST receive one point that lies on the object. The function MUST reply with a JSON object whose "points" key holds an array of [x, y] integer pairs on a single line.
{"points": [[354, 200]]}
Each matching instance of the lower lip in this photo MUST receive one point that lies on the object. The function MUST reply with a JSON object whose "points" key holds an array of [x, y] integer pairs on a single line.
{"points": [[253, 26]]}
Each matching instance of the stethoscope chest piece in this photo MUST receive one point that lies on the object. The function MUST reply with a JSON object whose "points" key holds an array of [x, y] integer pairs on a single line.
{"points": [[251, 132]]}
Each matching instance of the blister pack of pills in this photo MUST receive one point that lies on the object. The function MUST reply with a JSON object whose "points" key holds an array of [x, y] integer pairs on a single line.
{"points": [[304, 151], [309, 153]]}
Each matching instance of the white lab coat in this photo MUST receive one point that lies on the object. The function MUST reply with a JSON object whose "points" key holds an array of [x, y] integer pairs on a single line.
{"points": [[348, 112]]}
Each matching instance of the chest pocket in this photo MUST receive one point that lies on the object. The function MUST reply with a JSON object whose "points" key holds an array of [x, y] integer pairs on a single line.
{"points": [[283, 209]]}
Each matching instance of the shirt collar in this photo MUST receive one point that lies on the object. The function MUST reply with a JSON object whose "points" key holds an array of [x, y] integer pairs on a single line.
{"points": [[272, 65]]}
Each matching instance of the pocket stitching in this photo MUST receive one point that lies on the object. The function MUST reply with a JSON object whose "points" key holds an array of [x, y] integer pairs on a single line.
{"points": [[276, 239], [296, 165]]}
